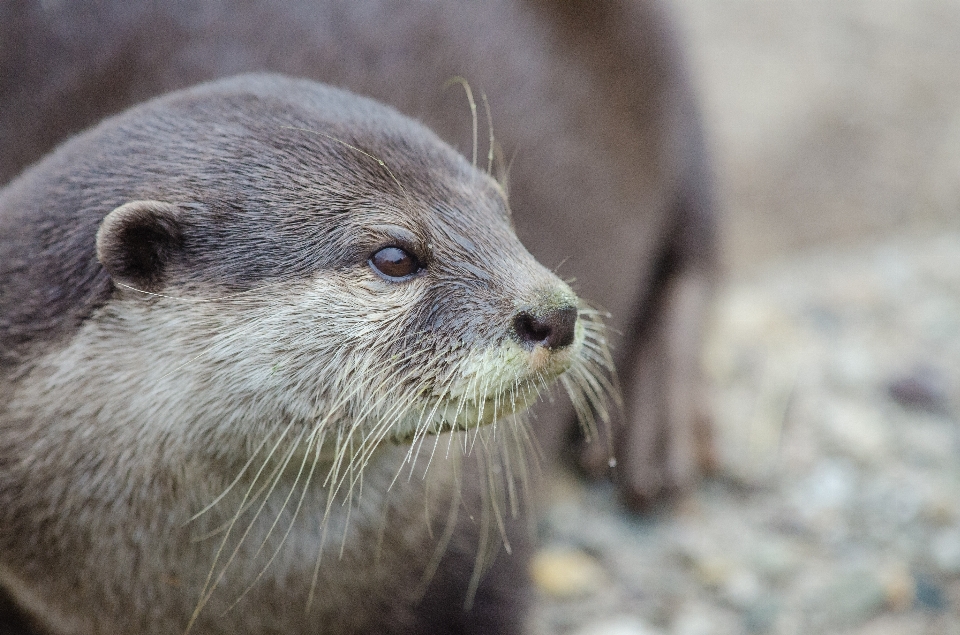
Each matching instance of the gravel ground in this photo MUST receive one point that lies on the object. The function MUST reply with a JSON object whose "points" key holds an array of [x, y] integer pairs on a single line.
{"points": [[836, 391]]}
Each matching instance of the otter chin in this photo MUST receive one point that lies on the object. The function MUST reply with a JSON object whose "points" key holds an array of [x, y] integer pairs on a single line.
{"points": [[265, 350]]}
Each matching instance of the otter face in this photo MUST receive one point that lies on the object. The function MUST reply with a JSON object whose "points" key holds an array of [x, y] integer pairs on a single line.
{"points": [[313, 259], [414, 328]]}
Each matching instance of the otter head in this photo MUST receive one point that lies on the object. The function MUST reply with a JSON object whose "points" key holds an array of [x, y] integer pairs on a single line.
{"points": [[310, 259], [281, 255]]}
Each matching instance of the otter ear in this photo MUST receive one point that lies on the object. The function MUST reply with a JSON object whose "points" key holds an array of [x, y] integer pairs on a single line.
{"points": [[136, 241]]}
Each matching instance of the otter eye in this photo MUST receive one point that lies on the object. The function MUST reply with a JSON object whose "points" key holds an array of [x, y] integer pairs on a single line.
{"points": [[394, 262]]}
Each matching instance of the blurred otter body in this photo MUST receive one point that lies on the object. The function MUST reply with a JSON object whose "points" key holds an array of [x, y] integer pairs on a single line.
{"points": [[230, 319], [589, 102]]}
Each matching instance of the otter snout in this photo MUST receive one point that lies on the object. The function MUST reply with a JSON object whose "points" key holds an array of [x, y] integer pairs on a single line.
{"points": [[552, 329]]}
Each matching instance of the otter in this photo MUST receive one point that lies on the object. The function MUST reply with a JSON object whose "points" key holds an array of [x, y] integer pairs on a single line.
{"points": [[591, 109], [265, 347]]}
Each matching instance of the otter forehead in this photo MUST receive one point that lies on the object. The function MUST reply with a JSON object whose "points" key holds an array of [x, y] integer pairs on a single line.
{"points": [[308, 178]]}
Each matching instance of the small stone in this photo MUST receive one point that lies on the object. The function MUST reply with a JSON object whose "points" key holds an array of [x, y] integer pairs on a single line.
{"points": [[712, 571], [567, 572], [742, 588], [900, 588], [851, 599], [830, 486], [618, 625], [929, 594], [761, 617], [924, 389], [945, 550], [851, 366], [858, 430], [696, 618], [776, 560], [941, 509], [693, 623]]}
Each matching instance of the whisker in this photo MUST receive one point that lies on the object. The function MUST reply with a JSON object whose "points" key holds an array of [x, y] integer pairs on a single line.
{"points": [[204, 596], [236, 480], [473, 110], [310, 441]]}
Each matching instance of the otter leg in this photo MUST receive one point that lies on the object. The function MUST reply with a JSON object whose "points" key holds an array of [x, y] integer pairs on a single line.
{"points": [[661, 439]]}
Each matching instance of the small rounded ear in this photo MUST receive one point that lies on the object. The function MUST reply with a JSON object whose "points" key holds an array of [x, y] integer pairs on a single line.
{"points": [[136, 241]]}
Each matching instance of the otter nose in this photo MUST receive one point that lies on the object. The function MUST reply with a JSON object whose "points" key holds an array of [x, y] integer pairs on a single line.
{"points": [[551, 329]]}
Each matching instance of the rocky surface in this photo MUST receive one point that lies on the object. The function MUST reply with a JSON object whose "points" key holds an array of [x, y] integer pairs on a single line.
{"points": [[836, 392]]}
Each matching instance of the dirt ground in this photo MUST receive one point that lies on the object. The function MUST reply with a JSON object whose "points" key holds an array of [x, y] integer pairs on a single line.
{"points": [[834, 355]]}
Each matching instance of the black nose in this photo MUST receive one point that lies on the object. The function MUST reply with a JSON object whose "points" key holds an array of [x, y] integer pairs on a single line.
{"points": [[551, 329]]}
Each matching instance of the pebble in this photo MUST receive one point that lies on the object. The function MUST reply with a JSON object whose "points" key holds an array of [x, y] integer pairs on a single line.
{"points": [[858, 430], [742, 588], [945, 551], [776, 560], [929, 594], [830, 487], [851, 598], [762, 615], [922, 389], [566, 572], [698, 618], [900, 588]]}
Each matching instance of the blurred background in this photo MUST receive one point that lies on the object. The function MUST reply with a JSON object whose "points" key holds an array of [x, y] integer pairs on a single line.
{"points": [[833, 122], [834, 353]]}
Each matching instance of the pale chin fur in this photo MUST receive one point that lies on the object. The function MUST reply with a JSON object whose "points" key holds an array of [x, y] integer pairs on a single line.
{"points": [[495, 383]]}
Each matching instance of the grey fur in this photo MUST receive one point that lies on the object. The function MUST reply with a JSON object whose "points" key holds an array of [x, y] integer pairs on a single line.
{"points": [[250, 208]]}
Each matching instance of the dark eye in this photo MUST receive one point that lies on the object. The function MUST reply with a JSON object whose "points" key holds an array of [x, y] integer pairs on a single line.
{"points": [[394, 262]]}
